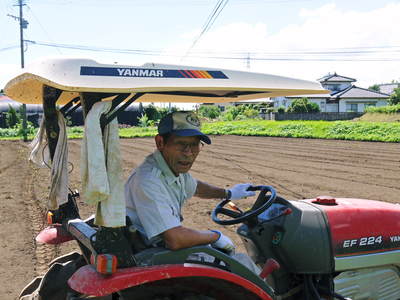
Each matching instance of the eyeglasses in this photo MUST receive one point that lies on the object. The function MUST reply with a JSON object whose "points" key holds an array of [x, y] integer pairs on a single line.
{"points": [[184, 147]]}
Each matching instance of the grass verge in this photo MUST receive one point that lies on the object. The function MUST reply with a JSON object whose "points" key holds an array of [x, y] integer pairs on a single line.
{"points": [[343, 130]]}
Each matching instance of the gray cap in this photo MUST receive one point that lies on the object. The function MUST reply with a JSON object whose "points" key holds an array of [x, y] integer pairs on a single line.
{"points": [[182, 123]]}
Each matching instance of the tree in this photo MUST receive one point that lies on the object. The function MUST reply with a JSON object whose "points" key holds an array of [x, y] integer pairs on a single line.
{"points": [[250, 112], [230, 113], [12, 117], [240, 112], [163, 111], [303, 106], [281, 109], [151, 112], [375, 88], [395, 97], [209, 111]]}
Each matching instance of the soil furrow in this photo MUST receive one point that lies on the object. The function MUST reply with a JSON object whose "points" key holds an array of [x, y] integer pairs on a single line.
{"points": [[297, 168]]}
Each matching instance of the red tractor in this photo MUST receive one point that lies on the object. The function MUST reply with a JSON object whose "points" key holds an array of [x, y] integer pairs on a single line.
{"points": [[322, 248]]}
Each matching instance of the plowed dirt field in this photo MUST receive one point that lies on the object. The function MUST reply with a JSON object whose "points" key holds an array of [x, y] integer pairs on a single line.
{"points": [[297, 168]]}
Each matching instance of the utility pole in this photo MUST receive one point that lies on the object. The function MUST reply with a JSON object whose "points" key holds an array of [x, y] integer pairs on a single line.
{"points": [[23, 24]]}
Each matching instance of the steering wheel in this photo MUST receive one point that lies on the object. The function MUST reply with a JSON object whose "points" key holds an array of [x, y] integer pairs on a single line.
{"points": [[262, 203]]}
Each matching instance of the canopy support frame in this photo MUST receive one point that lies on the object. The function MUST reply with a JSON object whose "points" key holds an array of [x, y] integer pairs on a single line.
{"points": [[70, 107], [50, 97], [108, 240]]}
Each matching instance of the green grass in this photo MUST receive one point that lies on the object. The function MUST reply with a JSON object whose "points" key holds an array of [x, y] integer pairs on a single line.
{"points": [[137, 132], [343, 130], [77, 132], [389, 109], [379, 117], [12, 134]]}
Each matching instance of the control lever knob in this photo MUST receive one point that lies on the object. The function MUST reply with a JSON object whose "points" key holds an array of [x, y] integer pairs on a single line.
{"points": [[270, 266]]}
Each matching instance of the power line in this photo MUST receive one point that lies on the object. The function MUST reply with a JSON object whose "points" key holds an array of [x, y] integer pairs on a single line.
{"points": [[332, 55], [216, 15], [350, 50], [97, 49], [305, 59], [383, 49], [9, 48], [144, 3], [41, 26], [129, 2], [375, 53], [209, 22]]}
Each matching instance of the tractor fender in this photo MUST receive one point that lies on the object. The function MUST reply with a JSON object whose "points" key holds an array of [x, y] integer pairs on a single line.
{"points": [[88, 281]]}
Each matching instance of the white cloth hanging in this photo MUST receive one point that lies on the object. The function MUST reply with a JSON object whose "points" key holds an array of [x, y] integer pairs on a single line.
{"points": [[59, 166], [101, 171]]}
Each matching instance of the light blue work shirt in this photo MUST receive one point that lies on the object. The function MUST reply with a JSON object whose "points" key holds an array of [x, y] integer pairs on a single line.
{"points": [[154, 196]]}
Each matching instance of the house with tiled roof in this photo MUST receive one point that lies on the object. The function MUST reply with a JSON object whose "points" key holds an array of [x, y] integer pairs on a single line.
{"points": [[343, 96]]}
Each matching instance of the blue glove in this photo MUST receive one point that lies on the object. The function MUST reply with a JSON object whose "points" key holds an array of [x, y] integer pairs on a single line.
{"points": [[240, 191], [224, 243]]}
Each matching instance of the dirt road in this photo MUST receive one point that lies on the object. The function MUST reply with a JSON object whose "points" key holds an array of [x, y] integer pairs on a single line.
{"points": [[297, 168]]}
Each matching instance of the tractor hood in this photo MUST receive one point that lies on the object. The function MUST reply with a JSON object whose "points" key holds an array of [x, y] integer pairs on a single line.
{"points": [[160, 83]]}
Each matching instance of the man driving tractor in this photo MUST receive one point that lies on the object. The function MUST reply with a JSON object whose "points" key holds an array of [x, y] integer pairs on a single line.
{"points": [[156, 191]]}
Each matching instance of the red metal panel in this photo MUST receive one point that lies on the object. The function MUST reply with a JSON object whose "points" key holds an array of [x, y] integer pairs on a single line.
{"points": [[88, 282], [362, 226]]}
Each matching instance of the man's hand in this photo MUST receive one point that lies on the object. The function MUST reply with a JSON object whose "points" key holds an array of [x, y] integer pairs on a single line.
{"points": [[223, 242], [240, 191]]}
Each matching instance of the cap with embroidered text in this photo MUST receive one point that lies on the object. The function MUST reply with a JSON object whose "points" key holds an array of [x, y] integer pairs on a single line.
{"points": [[182, 123]]}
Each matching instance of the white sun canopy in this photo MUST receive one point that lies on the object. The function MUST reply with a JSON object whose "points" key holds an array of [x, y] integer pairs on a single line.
{"points": [[160, 83]]}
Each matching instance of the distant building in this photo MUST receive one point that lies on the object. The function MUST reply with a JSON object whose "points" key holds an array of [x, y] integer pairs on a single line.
{"points": [[388, 88], [343, 96]]}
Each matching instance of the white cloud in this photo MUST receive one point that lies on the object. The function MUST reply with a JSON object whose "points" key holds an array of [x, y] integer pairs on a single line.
{"points": [[324, 28], [329, 26], [236, 36]]}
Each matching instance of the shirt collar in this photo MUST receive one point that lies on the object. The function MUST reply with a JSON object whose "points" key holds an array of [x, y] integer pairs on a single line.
{"points": [[165, 169]]}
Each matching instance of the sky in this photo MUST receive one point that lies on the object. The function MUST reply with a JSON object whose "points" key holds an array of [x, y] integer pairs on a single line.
{"points": [[304, 39]]}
